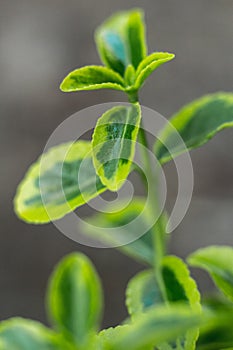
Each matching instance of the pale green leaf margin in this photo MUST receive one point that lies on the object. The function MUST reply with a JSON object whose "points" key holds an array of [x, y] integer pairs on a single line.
{"points": [[70, 151]]}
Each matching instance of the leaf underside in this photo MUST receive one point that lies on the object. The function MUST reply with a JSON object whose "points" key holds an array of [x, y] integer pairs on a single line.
{"points": [[121, 219]]}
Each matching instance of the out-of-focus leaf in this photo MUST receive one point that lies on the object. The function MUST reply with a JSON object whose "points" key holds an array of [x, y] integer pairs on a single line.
{"points": [[130, 75], [21, 334], [75, 298], [92, 78], [156, 326], [113, 144], [143, 293], [181, 287], [149, 65], [196, 123], [124, 223], [218, 262], [105, 338], [218, 333], [121, 40], [61, 180]]}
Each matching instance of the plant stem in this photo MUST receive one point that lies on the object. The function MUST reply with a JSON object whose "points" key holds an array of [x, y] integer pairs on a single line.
{"points": [[158, 230], [133, 96], [152, 179]]}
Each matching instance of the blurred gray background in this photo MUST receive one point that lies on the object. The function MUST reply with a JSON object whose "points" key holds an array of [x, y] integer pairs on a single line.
{"points": [[40, 42]]}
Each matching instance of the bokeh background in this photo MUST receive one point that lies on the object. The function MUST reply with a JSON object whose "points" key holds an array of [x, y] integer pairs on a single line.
{"points": [[40, 42]]}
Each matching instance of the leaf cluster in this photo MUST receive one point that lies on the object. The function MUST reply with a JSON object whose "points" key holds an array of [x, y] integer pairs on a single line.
{"points": [[75, 304]]}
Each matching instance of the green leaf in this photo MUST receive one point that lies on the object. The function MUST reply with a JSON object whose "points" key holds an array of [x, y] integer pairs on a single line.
{"points": [[136, 37], [106, 337], [218, 262], [149, 65], [75, 298], [113, 144], [196, 123], [21, 334], [121, 218], [219, 337], [218, 333], [121, 40], [92, 78], [143, 293], [130, 75], [181, 287], [60, 181], [156, 326]]}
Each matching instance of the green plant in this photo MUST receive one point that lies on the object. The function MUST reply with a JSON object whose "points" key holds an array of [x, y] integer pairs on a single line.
{"points": [[163, 301]]}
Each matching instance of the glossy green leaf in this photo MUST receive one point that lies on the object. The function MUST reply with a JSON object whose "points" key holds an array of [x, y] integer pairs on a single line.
{"points": [[113, 144], [143, 293], [21, 334], [92, 78], [121, 218], [75, 298], [121, 40], [156, 326], [218, 262], [196, 123], [149, 65], [61, 180]]}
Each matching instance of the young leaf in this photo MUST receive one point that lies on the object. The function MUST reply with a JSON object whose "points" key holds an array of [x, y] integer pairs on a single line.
{"points": [[60, 181], [122, 220], [196, 123], [113, 144], [121, 40], [136, 37], [75, 298], [156, 326], [92, 78], [21, 334], [218, 262], [130, 75], [148, 65]]}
